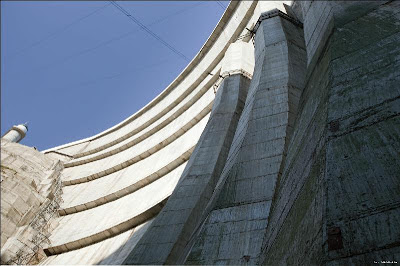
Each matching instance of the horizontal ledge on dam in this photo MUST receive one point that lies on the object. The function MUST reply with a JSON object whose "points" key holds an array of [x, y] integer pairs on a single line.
{"points": [[172, 117], [226, 25], [108, 233], [146, 153], [196, 61], [60, 153], [276, 13], [129, 189]]}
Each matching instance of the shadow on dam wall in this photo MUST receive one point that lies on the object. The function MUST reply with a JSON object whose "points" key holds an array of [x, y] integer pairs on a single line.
{"points": [[337, 200], [119, 255]]}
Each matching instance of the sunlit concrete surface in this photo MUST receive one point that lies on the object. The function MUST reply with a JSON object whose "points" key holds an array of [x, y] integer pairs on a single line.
{"points": [[130, 168]]}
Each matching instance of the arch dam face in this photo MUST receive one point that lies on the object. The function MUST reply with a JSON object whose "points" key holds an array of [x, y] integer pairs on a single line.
{"points": [[278, 144]]}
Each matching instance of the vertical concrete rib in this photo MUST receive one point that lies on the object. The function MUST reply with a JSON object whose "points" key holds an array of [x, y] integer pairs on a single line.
{"points": [[170, 231], [234, 229]]}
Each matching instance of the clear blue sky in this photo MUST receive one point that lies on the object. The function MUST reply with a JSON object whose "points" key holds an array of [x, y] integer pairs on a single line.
{"points": [[74, 69]]}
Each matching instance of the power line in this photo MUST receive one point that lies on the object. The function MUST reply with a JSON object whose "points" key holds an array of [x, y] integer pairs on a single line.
{"points": [[96, 80], [137, 22], [224, 8], [175, 13], [221, 5], [121, 36], [104, 43], [58, 31]]}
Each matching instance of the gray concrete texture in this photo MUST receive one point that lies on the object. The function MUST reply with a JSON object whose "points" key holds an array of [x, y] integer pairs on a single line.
{"points": [[30, 182], [233, 231], [337, 200], [171, 229], [120, 177]]}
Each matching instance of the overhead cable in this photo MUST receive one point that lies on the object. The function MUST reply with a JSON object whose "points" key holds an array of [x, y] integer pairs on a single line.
{"points": [[143, 27], [108, 77], [119, 37], [224, 8], [221, 5]]}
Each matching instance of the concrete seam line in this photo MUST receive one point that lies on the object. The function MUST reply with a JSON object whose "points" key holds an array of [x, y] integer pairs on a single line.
{"points": [[129, 189], [107, 233], [152, 120], [151, 132], [58, 152], [217, 32], [210, 67], [276, 13], [140, 156]]}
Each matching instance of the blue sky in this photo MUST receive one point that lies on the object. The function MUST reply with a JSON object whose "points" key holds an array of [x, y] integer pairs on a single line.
{"points": [[74, 69]]}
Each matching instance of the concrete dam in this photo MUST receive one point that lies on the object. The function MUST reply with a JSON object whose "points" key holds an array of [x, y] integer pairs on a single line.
{"points": [[278, 144]]}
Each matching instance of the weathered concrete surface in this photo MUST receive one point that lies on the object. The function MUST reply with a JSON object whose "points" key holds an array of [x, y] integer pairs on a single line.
{"points": [[239, 59], [337, 201], [115, 179], [67, 237], [171, 229], [30, 186], [233, 231], [111, 251]]}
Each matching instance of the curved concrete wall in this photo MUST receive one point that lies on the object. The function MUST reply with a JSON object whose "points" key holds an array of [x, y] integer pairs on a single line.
{"points": [[117, 180], [197, 72]]}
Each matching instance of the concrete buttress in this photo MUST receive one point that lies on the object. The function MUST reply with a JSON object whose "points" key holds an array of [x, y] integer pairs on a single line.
{"points": [[171, 229], [233, 231]]}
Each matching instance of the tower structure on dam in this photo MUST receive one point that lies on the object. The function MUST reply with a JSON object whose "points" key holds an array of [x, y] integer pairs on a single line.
{"points": [[278, 144], [16, 133]]}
